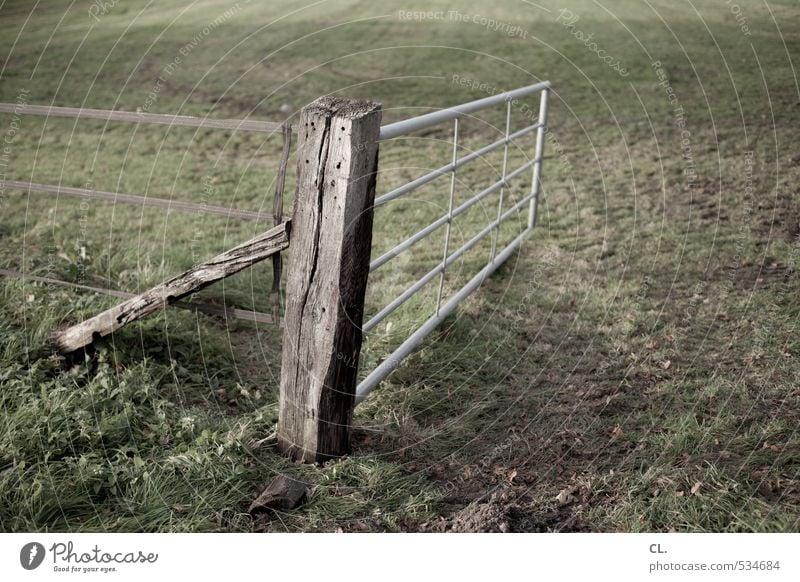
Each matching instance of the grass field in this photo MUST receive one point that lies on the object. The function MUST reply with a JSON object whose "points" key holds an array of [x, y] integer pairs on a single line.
{"points": [[633, 368]]}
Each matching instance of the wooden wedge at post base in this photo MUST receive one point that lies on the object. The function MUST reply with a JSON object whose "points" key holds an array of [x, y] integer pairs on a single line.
{"points": [[200, 276], [337, 158]]}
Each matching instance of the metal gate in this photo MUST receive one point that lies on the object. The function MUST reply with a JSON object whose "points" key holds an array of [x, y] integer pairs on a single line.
{"points": [[497, 258]]}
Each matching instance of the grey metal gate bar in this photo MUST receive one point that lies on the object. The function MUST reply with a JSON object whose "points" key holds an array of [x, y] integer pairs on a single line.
{"points": [[497, 258]]}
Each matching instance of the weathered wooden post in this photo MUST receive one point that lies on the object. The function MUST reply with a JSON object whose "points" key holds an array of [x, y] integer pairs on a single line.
{"points": [[337, 161]]}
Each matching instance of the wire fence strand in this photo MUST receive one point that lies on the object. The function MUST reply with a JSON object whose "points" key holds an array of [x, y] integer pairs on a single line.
{"points": [[207, 308], [119, 197], [251, 125]]}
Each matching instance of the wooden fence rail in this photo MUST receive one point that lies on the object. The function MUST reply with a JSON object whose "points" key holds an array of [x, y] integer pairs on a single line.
{"points": [[200, 276], [329, 260], [172, 291]]}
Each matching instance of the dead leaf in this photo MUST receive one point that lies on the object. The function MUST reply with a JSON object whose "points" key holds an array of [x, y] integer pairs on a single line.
{"points": [[511, 476], [695, 488], [565, 497], [651, 345], [666, 364], [616, 432]]}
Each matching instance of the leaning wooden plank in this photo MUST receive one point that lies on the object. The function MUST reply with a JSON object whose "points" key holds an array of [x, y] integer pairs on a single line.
{"points": [[196, 278], [207, 308]]}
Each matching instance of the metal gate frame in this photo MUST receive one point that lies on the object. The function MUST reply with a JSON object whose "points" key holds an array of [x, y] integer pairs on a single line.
{"points": [[407, 126]]}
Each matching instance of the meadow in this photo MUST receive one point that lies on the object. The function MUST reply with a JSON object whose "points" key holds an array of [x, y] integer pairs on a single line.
{"points": [[632, 368]]}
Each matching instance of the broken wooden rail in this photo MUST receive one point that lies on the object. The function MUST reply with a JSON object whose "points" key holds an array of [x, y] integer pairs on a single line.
{"points": [[199, 307], [170, 292], [198, 277]]}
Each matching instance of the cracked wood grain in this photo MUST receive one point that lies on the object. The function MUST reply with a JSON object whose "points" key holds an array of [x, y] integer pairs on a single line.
{"points": [[328, 266]]}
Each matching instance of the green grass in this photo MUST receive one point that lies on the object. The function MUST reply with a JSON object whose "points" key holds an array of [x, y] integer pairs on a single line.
{"points": [[641, 343]]}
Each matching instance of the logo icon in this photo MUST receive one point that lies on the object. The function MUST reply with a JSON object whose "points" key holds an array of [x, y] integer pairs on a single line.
{"points": [[31, 555]]}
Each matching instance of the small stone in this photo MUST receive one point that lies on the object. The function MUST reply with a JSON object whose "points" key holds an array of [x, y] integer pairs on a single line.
{"points": [[283, 493]]}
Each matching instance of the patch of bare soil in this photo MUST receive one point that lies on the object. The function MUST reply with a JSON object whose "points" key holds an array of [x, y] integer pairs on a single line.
{"points": [[509, 512], [493, 516]]}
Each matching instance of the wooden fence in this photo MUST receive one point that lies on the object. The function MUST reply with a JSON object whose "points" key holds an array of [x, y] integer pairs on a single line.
{"points": [[330, 232]]}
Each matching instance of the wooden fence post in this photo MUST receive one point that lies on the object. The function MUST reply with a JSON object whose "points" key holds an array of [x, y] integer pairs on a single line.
{"points": [[337, 160]]}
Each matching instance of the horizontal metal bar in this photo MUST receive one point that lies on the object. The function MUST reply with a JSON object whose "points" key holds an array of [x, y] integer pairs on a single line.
{"points": [[409, 242], [408, 293], [447, 168], [422, 121], [207, 308], [140, 117], [396, 358], [137, 200]]}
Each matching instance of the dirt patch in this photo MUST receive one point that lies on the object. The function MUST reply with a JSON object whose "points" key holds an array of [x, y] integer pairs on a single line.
{"points": [[487, 517], [508, 512], [777, 218], [768, 273]]}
